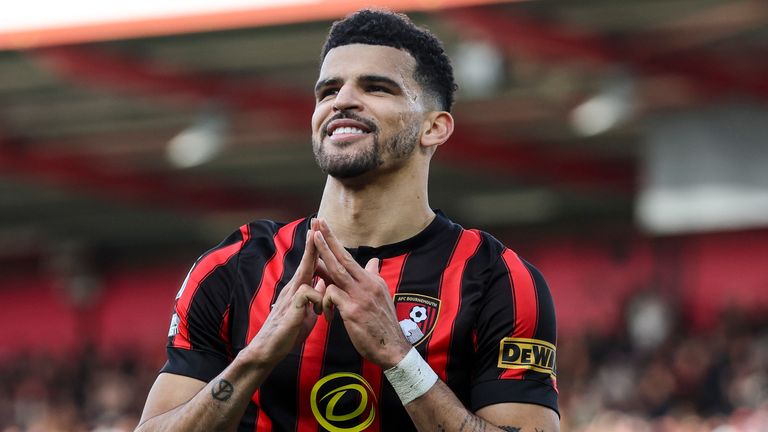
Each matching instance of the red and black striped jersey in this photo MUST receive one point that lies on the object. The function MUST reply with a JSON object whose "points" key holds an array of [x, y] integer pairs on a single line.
{"points": [[482, 317]]}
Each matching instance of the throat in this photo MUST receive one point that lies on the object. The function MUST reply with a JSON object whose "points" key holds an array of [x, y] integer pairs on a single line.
{"points": [[374, 222]]}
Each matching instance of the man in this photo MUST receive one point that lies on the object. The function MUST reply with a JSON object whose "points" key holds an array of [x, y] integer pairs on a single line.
{"points": [[378, 314]]}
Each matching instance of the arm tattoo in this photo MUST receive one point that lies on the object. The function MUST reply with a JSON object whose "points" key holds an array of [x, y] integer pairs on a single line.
{"points": [[476, 424], [479, 424], [222, 390], [512, 428], [464, 423]]}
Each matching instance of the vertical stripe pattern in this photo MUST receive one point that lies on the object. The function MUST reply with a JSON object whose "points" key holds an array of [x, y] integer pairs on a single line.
{"points": [[202, 269], [273, 272], [391, 271], [260, 304], [310, 370], [450, 298], [526, 305], [475, 291]]}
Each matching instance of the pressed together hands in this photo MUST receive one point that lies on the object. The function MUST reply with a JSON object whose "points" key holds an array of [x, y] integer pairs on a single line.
{"points": [[360, 294]]}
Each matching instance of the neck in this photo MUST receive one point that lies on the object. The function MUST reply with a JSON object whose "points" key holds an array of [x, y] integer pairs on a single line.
{"points": [[385, 211]]}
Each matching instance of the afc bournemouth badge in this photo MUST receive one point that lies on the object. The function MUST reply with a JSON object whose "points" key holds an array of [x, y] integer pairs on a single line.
{"points": [[417, 314]]}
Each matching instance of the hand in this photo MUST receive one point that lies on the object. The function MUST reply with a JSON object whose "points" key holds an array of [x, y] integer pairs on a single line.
{"points": [[362, 298], [292, 316]]}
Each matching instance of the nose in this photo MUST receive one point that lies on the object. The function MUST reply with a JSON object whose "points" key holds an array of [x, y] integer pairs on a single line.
{"points": [[346, 99]]}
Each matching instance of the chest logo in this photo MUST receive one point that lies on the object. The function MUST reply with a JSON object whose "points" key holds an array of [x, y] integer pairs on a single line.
{"points": [[417, 315], [343, 402]]}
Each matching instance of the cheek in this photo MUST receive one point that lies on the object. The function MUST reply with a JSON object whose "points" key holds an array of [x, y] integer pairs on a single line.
{"points": [[317, 119], [404, 120]]}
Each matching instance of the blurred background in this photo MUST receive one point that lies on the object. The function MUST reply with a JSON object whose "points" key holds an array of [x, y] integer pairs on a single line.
{"points": [[620, 146]]}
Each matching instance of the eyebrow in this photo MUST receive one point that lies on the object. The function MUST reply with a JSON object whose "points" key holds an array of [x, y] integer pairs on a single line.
{"points": [[327, 83], [363, 78]]}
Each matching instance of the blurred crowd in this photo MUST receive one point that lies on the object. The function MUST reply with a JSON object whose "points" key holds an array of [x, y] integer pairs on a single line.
{"points": [[704, 381], [83, 392], [716, 380]]}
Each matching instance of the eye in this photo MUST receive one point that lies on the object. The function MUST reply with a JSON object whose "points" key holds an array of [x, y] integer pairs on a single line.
{"points": [[326, 92], [378, 89]]}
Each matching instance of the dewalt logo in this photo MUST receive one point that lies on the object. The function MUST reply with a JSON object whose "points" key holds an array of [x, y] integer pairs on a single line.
{"points": [[533, 354]]}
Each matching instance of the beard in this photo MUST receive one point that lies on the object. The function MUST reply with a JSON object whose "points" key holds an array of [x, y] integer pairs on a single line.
{"points": [[350, 165]]}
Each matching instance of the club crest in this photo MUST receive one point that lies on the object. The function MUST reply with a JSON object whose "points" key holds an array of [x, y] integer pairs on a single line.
{"points": [[417, 315]]}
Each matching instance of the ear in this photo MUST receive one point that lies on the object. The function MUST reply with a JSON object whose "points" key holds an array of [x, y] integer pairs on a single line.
{"points": [[436, 129]]}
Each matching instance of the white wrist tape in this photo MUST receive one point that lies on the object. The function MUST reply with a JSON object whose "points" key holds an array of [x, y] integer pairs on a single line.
{"points": [[412, 377]]}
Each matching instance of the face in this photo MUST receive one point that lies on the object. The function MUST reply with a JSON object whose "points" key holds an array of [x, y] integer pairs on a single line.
{"points": [[368, 112]]}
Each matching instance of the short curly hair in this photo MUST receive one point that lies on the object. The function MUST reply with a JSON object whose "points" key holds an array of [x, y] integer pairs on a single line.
{"points": [[434, 72]]}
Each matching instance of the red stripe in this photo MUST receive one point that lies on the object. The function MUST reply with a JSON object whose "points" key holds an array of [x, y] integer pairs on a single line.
{"points": [[201, 270], [273, 272], [525, 303], [260, 303], [450, 300], [311, 367], [392, 272], [263, 422]]}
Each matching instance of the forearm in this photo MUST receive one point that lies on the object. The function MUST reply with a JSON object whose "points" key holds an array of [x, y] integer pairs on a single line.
{"points": [[440, 410], [219, 405]]}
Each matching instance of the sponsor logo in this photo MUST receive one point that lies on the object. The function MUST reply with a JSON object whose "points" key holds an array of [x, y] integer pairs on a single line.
{"points": [[533, 354], [343, 402], [417, 315], [174, 330]]}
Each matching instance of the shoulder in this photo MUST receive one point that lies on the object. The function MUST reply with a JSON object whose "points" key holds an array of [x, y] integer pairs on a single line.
{"points": [[483, 243], [488, 249], [493, 256], [260, 235]]}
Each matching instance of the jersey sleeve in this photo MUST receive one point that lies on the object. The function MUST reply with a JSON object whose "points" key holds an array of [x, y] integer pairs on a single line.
{"points": [[515, 338], [198, 338]]}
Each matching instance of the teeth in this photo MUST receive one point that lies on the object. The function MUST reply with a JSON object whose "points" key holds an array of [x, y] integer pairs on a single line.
{"points": [[348, 130]]}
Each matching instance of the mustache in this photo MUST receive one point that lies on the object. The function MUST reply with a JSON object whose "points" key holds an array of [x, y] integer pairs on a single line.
{"points": [[350, 116]]}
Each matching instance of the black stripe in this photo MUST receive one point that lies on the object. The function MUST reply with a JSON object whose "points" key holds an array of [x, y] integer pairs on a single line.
{"points": [[210, 300], [421, 275], [546, 325], [473, 285], [253, 258], [341, 356], [277, 399]]}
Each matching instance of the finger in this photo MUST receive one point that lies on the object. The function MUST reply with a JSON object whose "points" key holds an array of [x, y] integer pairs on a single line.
{"points": [[342, 255], [321, 270], [335, 269], [327, 307], [334, 296], [306, 295], [320, 287], [306, 268], [314, 223], [372, 266]]}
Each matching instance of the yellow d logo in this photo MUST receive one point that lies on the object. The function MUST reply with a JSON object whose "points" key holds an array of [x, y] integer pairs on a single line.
{"points": [[345, 397]]}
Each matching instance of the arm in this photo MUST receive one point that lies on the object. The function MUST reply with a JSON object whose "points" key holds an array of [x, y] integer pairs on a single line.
{"points": [[363, 301], [181, 403], [439, 409], [176, 402]]}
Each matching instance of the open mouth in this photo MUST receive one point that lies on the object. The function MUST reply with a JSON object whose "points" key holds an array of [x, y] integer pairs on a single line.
{"points": [[347, 129]]}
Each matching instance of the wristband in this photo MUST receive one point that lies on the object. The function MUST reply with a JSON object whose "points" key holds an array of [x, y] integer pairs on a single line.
{"points": [[412, 377]]}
